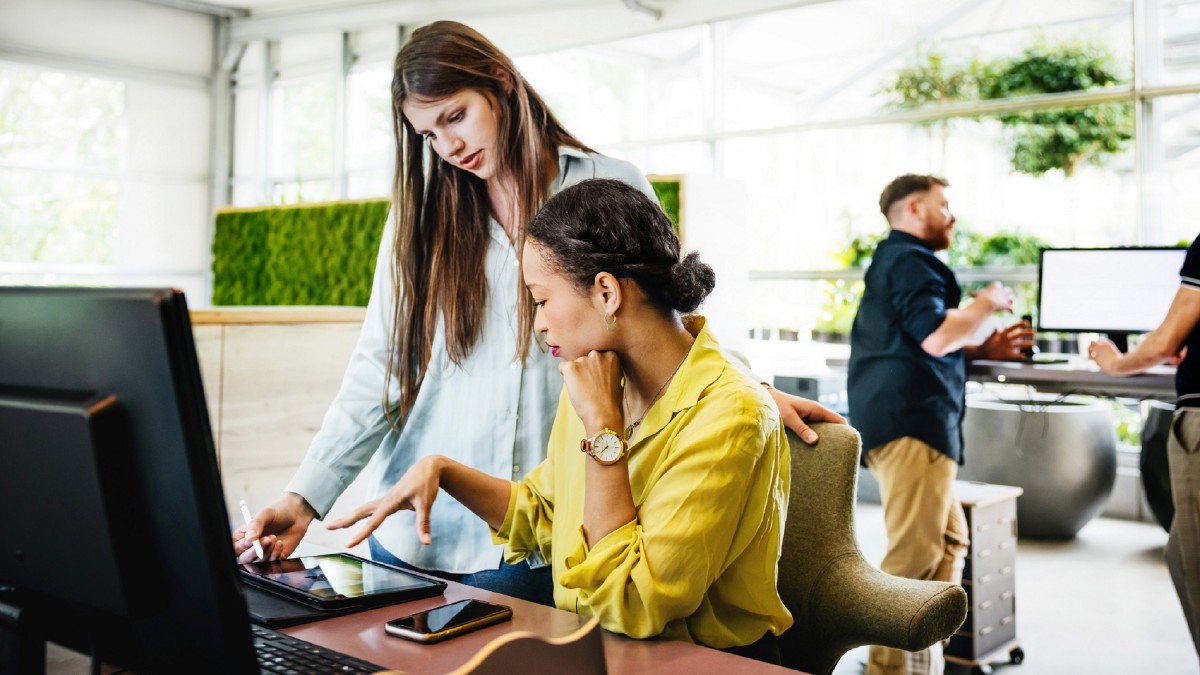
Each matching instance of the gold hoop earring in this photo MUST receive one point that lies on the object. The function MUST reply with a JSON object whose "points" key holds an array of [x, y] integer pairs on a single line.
{"points": [[610, 320]]}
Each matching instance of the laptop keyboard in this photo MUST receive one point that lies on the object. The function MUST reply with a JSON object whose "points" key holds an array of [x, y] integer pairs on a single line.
{"points": [[279, 653]]}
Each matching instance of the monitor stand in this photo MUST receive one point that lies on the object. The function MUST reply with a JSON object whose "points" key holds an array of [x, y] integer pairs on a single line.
{"points": [[22, 649]]}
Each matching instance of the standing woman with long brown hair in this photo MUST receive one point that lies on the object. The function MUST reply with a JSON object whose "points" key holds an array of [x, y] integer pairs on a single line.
{"points": [[444, 364]]}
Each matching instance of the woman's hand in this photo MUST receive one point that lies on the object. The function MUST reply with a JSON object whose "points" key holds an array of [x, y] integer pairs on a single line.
{"points": [[278, 527], [415, 491], [593, 383]]}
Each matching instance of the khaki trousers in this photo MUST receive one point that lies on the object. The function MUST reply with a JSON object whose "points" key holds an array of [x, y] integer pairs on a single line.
{"points": [[926, 530], [1183, 544]]}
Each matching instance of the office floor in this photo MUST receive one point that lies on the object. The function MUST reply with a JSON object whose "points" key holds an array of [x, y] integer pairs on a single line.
{"points": [[1102, 603]]}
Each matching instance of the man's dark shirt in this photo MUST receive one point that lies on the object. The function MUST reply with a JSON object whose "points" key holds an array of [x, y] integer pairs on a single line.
{"points": [[896, 389], [1187, 376]]}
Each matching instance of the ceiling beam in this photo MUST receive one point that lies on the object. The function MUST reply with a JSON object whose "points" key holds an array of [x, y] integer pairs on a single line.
{"points": [[561, 17], [201, 7]]}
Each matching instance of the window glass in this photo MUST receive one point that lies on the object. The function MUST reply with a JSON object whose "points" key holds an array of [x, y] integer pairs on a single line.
{"points": [[1175, 171], [369, 136], [670, 158], [57, 217], [300, 190], [644, 87], [303, 129], [811, 193], [63, 139], [1175, 55], [367, 185]]}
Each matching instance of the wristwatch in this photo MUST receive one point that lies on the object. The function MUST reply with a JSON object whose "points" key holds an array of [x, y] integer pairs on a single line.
{"points": [[606, 447]]}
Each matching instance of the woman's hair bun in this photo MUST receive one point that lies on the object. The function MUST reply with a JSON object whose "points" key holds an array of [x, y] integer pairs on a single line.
{"points": [[606, 225], [691, 282]]}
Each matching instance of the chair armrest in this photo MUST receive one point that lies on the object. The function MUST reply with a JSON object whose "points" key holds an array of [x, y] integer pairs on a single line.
{"points": [[858, 603]]}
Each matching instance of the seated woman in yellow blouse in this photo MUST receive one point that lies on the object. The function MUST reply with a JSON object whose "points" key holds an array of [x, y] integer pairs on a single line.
{"points": [[661, 503]]}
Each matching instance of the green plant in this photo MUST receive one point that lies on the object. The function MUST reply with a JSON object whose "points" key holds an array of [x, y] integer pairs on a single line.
{"points": [[840, 305], [668, 196], [1011, 248], [966, 248], [1129, 424], [1004, 248], [857, 252], [931, 79], [1042, 141]]}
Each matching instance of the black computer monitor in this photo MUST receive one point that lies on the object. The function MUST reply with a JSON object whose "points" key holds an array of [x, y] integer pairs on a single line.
{"points": [[115, 538], [1117, 291]]}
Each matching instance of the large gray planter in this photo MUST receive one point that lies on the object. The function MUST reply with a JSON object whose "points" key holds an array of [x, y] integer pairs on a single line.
{"points": [[1063, 452]]}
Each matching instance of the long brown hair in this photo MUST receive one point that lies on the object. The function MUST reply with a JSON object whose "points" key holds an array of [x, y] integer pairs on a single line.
{"points": [[441, 212]]}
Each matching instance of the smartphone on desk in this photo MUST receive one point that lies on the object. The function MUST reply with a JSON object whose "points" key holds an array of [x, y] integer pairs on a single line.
{"points": [[447, 621]]}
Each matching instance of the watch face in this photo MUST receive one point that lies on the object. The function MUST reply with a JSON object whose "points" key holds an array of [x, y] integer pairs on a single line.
{"points": [[606, 447]]}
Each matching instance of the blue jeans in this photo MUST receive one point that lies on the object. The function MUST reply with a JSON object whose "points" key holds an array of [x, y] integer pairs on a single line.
{"points": [[518, 581]]}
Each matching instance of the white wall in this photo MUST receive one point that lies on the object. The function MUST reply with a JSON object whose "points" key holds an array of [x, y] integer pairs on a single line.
{"points": [[128, 32], [164, 56]]}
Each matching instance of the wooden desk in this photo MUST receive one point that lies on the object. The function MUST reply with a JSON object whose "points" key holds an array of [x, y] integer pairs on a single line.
{"points": [[1076, 377], [362, 635]]}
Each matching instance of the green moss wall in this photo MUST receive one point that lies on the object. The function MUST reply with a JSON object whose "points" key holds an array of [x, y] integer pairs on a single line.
{"points": [[297, 255], [321, 254]]}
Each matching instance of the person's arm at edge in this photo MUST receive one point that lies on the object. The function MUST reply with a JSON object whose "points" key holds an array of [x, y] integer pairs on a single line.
{"points": [[795, 411], [960, 324], [1159, 345]]}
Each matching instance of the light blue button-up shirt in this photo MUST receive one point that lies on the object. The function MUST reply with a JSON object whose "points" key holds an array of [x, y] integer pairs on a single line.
{"points": [[489, 412]]}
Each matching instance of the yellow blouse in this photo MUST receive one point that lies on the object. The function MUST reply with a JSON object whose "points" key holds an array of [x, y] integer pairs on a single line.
{"points": [[709, 468]]}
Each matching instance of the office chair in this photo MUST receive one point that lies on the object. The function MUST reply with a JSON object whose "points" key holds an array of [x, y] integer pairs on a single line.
{"points": [[580, 653], [840, 601]]}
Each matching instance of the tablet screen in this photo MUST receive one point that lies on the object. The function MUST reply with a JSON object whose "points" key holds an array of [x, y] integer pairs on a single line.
{"points": [[336, 576]]}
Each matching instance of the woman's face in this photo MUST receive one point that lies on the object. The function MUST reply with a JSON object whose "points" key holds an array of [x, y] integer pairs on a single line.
{"points": [[570, 320], [462, 129]]}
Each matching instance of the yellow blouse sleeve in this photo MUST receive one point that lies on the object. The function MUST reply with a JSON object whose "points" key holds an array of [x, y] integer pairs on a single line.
{"points": [[691, 524]]}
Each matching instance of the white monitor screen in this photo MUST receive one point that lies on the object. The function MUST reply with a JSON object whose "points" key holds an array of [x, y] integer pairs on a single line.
{"points": [[1116, 290]]}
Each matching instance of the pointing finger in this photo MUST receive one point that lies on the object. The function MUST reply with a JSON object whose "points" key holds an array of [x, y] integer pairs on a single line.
{"points": [[423, 523]]}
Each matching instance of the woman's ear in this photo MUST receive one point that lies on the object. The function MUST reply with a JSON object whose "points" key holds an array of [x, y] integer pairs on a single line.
{"points": [[606, 293], [505, 78]]}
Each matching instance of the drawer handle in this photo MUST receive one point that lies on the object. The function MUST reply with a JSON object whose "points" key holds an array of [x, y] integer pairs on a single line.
{"points": [[1006, 570], [985, 630], [985, 604], [1006, 595], [1006, 620], [985, 578], [984, 553]]}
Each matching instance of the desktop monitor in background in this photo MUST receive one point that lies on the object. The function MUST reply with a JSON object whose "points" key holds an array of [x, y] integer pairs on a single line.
{"points": [[114, 538], [1117, 291]]}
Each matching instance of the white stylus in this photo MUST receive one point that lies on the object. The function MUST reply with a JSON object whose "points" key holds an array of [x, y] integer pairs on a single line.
{"points": [[246, 517]]}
